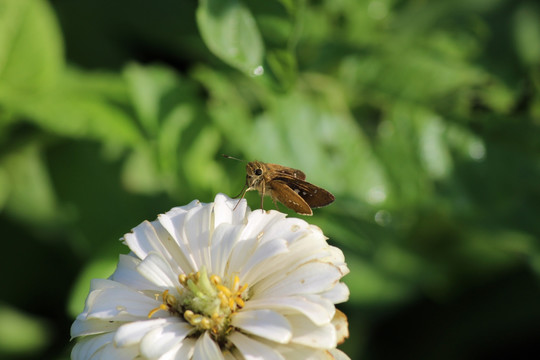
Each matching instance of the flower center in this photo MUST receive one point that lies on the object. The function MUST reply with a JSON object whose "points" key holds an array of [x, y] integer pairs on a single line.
{"points": [[205, 302]]}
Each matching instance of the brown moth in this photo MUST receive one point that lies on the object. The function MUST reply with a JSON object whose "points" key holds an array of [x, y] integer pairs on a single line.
{"points": [[286, 185]]}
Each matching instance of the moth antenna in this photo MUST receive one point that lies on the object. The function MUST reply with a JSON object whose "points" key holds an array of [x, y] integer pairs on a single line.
{"points": [[232, 157]]}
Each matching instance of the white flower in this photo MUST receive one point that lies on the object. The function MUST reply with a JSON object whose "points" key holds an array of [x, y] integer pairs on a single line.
{"points": [[207, 281]]}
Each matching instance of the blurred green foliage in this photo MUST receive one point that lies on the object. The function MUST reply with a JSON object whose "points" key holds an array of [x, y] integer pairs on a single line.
{"points": [[422, 117]]}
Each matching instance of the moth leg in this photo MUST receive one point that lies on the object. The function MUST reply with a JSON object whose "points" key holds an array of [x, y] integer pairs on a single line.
{"points": [[262, 198], [243, 193]]}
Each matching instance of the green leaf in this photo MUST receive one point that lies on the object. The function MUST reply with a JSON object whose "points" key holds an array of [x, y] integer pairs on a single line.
{"points": [[231, 33], [200, 162], [31, 50], [141, 173], [527, 33], [4, 188], [32, 197], [283, 66], [170, 138], [301, 131], [82, 105], [433, 148], [229, 108], [369, 285], [21, 333], [148, 86]]}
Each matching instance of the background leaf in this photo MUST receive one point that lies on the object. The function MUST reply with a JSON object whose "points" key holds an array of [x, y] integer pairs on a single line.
{"points": [[231, 33], [422, 118]]}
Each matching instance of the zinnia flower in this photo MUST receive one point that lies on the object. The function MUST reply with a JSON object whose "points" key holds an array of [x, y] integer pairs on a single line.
{"points": [[207, 281]]}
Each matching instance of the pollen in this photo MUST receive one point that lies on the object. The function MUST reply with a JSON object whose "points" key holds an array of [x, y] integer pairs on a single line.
{"points": [[205, 302]]}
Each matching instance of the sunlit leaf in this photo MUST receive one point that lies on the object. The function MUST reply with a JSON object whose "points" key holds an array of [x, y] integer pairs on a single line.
{"points": [[31, 50], [74, 110], [21, 333], [527, 33], [141, 171], [4, 187], [282, 64], [31, 197], [231, 33], [148, 87]]}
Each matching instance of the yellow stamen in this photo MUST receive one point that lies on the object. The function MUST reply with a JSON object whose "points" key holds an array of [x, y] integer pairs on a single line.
{"points": [[205, 323], [224, 299], [216, 280], [160, 307], [240, 302], [242, 289], [188, 315], [182, 279], [224, 289]]}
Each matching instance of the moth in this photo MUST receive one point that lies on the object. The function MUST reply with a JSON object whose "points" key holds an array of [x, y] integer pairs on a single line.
{"points": [[286, 185]]}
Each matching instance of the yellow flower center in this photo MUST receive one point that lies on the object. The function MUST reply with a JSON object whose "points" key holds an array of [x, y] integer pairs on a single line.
{"points": [[205, 302]]}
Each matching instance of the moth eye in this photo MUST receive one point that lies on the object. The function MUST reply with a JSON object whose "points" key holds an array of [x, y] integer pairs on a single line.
{"points": [[258, 172]]}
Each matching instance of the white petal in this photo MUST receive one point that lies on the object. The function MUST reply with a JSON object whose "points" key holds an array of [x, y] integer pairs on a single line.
{"points": [[160, 340], [206, 349], [337, 294], [264, 323], [185, 208], [104, 284], [131, 333], [181, 351], [228, 355], [109, 351], [197, 232], [293, 351], [338, 354], [85, 326], [153, 237], [173, 222], [318, 309], [224, 213], [341, 325], [337, 258], [242, 251], [157, 270], [252, 349], [307, 249], [308, 334], [86, 347], [311, 278], [223, 241], [288, 229], [143, 239], [259, 221], [257, 265], [126, 273], [119, 303], [311, 247]]}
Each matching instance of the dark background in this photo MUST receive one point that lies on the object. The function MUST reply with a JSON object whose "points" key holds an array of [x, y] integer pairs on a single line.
{"points": [[422, 117]]}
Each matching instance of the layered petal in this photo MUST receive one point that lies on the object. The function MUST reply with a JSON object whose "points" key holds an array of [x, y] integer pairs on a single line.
{"points": [[218, 281]]}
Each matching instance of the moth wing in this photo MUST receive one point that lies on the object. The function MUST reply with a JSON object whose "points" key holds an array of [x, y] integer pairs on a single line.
{"points": [[313, 195], [290, 198], [287, 171]]}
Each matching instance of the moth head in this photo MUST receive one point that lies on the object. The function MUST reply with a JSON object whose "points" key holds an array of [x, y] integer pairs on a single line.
{"points": [[254, 174]]}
